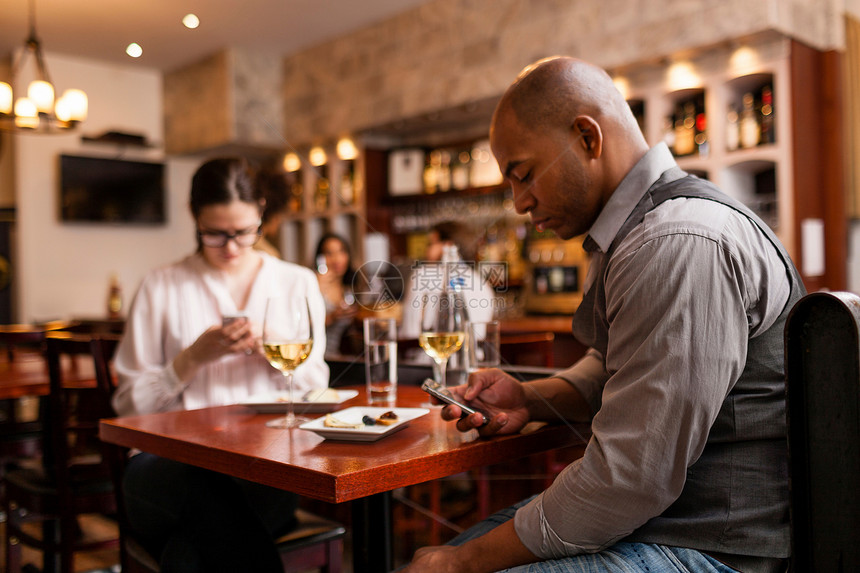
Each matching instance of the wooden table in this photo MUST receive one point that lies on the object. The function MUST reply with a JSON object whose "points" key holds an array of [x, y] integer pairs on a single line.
{"points": [[235, 440]]}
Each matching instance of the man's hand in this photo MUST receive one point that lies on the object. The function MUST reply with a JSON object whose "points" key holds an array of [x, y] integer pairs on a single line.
{"points": [[497, 394], [498, 549], [440, 559]]}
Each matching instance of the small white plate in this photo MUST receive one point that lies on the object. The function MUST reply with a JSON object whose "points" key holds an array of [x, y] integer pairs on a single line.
{"points": [[277, 403], [364, 433]]}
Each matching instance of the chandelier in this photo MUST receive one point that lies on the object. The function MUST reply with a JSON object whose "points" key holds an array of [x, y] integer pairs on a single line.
{"points": [[37, 112]]}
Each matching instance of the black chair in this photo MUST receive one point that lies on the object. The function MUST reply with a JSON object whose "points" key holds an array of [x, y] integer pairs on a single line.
{"points": [[822, 349], [74, 477]]}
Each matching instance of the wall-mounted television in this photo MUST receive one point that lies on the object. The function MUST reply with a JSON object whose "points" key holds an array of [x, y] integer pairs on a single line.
{"points": [[111, 191]]}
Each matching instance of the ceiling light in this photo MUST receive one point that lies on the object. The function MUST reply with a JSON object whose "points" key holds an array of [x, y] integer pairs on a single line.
{"points": [[292, 163], [190, 21], [38, 111], [346, 149], [134, 50], [317, 156]]}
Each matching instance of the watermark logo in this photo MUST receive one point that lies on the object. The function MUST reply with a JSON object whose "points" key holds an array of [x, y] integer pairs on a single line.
{"points": [[377, 285]]}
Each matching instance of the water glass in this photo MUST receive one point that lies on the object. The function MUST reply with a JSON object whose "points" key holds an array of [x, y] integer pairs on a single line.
{"points": [[380, 359], [483, 345]]}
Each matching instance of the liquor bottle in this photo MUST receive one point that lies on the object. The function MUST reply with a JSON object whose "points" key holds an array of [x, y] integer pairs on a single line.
{"points": [[685, 130], [323, 189], [114, 301], [732, 133], [431, 172], [702, 143], [347, 183], [767, 120], [297, 192], [443, 178], [750, 130], [460, 170], [455, 284]]}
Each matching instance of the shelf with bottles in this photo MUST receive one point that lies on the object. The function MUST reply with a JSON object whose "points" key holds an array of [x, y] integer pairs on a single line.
{"points": [[326, 195], [324, 184], [750, 116], [685, 127], [719, 112], [430, 174]]}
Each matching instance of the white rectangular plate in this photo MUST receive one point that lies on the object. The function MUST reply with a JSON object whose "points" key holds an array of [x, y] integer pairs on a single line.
{"points": [[364, 433], [277, 403]]}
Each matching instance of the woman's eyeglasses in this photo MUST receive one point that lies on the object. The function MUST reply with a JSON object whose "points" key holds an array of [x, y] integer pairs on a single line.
{"points": [[244, 238]]}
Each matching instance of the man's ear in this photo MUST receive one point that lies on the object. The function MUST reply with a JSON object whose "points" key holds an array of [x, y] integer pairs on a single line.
{"points": [[588, 134]]}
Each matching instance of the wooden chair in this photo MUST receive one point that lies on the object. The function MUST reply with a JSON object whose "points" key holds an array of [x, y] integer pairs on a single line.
{"points": [[527, 348], [20, 437], [315, 542], [29, 336], [822, 350], [74, 478]]}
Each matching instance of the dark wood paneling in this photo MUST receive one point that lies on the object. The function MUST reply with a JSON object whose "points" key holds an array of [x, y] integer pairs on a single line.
{"points": [[819, 177]]}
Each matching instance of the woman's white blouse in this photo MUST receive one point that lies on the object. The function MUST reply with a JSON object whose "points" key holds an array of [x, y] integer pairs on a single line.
{"points": [[175, 305]]}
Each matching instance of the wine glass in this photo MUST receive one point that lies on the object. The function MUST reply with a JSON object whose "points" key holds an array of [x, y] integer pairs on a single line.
{"points": [[443, 328], [287, 341]]}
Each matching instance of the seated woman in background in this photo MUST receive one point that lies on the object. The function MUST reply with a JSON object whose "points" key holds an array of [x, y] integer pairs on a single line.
{"points": [[178, 352], [336, 275]]}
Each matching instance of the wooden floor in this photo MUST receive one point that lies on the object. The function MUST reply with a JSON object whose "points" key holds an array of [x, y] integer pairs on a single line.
{"points": [[93, 526], [414, 526]]}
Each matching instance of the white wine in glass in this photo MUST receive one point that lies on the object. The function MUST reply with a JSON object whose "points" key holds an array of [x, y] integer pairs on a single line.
{"points": [[287, 342], [443, 328]]}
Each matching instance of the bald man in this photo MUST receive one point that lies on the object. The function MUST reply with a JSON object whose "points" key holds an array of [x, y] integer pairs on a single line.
{"points": [[684, 308]]}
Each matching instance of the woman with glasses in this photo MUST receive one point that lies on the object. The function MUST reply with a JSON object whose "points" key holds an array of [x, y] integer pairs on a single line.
{"points": [[185, 348]]}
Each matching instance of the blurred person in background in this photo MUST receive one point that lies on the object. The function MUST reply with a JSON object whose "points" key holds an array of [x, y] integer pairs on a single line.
{"points": [[335, 273], [479, 296]]}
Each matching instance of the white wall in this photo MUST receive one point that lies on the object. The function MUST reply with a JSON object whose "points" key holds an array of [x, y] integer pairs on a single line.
{"points": [[63, 269]]}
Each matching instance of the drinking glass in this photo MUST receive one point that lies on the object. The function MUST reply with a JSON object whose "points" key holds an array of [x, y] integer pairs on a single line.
{"points": [[483, 345], [287, 342], [380, 359], [443, 328]]}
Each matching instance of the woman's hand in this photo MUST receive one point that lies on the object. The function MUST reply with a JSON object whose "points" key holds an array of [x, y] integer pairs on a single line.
{"points": [[217, 341], [498, 395]]}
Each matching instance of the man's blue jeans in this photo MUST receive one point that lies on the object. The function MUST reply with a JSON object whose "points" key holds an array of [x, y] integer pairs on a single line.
{"points": [[620, 558]]}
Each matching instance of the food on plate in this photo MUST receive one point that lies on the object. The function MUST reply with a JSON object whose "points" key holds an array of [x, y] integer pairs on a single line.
{"points": [[321, 395], [334, 422], [387, 419]]}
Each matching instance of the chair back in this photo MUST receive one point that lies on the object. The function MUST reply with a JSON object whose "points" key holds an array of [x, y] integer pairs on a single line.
{"points": [[822, 349], [73, 452], [31, 336], [527, 348]]}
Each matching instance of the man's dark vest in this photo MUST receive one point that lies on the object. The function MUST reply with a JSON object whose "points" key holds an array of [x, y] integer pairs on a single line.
{"points": [[735, 499]]}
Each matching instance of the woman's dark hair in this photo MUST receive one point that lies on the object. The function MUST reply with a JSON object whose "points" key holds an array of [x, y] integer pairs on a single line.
{"points": [[350, 272], [274, 188], [220, 181]]}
